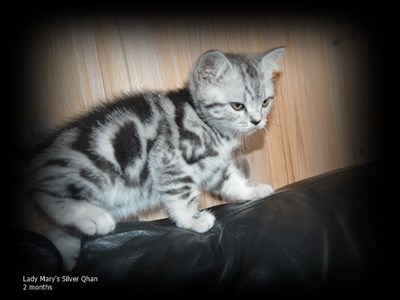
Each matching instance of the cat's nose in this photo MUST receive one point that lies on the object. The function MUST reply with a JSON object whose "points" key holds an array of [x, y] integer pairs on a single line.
{"points": [[255, 122]]}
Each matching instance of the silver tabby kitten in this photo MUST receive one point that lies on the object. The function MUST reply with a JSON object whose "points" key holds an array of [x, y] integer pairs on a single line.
{"points": [[156, 148]]}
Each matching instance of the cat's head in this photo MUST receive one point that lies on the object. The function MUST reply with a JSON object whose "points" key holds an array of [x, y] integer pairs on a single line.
{"points": [[234, 93]]}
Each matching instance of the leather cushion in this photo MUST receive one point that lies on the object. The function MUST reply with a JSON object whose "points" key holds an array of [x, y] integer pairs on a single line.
{"points": [[321, 234]]}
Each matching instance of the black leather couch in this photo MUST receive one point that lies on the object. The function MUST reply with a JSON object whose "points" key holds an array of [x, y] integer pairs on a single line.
{"points": [[323, 235]]}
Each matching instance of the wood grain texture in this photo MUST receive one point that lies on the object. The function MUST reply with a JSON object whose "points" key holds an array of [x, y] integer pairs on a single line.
{"points": [[316, 125]]}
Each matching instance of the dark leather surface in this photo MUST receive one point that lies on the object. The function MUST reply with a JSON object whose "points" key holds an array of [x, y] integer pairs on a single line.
{"points": [[324, 234], [33, 254], [27, 254]]}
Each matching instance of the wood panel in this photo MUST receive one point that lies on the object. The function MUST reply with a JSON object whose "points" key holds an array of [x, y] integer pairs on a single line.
{"points": [[316, 125]]}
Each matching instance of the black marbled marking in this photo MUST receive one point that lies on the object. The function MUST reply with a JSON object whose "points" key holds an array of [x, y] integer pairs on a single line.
{"points": [[89, 176], [140, 106], [127, 145], [82, 144], [195, 159], [56, 162], [223, 176], [178, 190], [54, 195], [195, 140], [145, 172], [185, 195], [248, 91], [185, 179], [213, 105], [251, 71], [76, 192], [192, 200], [180, 97]]}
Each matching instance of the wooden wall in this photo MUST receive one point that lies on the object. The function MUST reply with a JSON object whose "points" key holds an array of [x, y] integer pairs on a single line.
{"points": [[319, 119]]}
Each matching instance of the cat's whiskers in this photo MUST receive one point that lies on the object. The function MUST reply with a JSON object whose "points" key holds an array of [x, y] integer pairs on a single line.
{"points": [[245, 144], [274, 124], [266, 130]]}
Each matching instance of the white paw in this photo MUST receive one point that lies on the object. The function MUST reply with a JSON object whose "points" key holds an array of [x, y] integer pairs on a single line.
{"points": [[95, 221], [68, 245], [203, 222], [261, 191], [69, 262]]}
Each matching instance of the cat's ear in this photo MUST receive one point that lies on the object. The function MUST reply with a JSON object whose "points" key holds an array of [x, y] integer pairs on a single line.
{"points": [[270, 59], [212, 65]]}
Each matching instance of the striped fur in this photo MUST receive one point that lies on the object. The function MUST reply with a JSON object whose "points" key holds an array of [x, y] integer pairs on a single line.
{"points": [[149, 149]]}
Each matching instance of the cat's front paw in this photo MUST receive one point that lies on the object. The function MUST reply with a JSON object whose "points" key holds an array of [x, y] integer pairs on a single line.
{"points": [[203, 222], [95, 221], [261, 191], [68, 245]]}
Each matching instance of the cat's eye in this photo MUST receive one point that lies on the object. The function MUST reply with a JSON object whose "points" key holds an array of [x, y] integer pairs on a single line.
{"points": [[237, 106], [266, 101]]}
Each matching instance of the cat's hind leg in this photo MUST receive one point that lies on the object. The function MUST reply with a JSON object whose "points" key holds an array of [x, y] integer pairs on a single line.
{"points": [[186, 215], [178, 191], [181, 203], [68, 244], [234, 185], [88, 218]]}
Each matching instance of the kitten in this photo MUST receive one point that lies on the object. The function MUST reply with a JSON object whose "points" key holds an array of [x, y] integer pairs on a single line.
{"points": [[131, 155]]}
